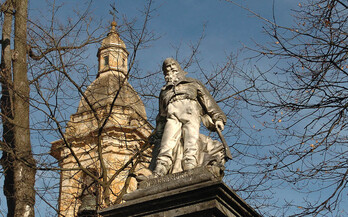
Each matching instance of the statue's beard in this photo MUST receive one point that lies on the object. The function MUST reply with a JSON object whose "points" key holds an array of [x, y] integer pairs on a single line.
{"points": [[174, 78]]}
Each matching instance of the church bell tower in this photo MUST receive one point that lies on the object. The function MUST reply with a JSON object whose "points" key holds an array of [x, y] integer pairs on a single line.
{"points": [[108, 128]]}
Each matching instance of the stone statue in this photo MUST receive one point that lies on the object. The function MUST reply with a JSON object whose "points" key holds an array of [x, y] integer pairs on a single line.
{"points": [[183, 103]]}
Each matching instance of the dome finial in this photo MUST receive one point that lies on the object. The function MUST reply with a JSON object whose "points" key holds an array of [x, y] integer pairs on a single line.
{"points": [[113, 26]]}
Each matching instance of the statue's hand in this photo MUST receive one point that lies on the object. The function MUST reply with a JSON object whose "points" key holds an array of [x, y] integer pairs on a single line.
{"points": [[154, 138], [220, 125]]}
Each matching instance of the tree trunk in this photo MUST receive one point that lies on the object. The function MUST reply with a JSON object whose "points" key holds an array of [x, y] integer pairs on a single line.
{"points": [[24, 166], [20, 164], [6, 107]]}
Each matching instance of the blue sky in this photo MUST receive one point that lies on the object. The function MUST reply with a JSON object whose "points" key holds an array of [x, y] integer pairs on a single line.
{"points": [[227, 26]]}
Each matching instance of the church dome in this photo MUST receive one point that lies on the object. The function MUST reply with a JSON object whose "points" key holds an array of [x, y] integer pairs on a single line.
{"points": [[111, 89]]}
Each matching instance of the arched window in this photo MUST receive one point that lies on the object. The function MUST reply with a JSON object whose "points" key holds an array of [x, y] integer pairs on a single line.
{"points": [[106, 60]]}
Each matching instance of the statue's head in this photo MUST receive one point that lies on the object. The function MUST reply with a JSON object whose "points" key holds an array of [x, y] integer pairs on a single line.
{"points": [[172, 70]]}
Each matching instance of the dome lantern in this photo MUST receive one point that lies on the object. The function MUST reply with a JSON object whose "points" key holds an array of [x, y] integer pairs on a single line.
{"points": [[112, 54]]}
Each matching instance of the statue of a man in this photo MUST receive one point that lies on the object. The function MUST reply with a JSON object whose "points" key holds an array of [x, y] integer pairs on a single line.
{"points": [[183, 103]]}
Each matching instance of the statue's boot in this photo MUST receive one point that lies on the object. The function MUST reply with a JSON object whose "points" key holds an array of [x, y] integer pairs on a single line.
{"points": [[160, 170], [189, 164]]}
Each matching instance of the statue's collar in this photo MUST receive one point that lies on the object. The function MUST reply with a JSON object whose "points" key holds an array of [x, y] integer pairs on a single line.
{"points": [[170, 85]]}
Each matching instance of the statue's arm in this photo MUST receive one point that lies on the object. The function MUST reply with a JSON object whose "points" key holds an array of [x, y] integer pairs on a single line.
{"points": [[209, 105], [160, 123]]}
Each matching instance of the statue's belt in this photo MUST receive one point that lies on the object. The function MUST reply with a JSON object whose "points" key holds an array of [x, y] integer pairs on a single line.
{"points": [[180, 97]]}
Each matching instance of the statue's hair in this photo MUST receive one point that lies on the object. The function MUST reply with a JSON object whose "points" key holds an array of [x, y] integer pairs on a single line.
{"points": [[170, 59]]}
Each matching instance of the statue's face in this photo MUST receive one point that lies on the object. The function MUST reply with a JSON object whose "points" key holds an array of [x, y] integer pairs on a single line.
{"points": [[171, 72]]}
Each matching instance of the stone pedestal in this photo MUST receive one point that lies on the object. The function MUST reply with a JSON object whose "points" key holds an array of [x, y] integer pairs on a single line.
{"points": [[196, 192]]}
